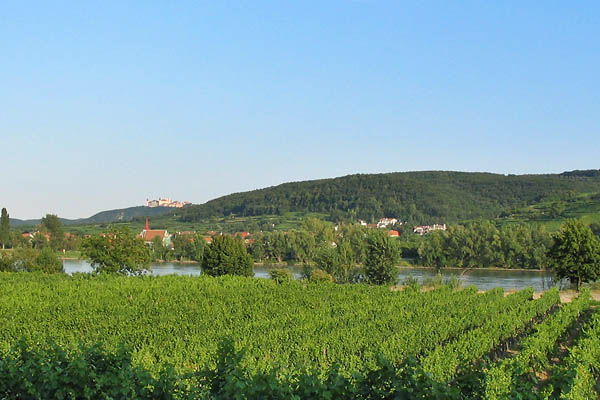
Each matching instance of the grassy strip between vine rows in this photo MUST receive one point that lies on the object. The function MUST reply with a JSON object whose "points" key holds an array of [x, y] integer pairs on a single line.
{"points": [[515, 376], [579, 376], [444, 361]]}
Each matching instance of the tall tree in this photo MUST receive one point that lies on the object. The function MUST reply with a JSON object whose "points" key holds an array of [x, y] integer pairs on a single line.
{"points": [[53, 225], [381, 257], [575, 253], [226, 255], [4, 229]]}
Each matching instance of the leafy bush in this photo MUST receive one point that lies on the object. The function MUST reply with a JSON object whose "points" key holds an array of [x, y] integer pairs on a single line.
{"points": [[31, 260], [281, 275], [318, 275], [47, 261]]}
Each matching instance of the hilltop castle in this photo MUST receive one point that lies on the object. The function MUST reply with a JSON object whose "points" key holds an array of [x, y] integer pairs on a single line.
{"points": [[166, 203]]}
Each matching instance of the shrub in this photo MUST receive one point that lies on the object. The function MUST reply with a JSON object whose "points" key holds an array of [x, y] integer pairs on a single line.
{"points": [[318, 275], [281, 275], [412, 283]]}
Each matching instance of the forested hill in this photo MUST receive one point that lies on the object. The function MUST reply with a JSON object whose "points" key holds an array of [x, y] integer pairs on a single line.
{"points": [[428, 196], [122, 214]]}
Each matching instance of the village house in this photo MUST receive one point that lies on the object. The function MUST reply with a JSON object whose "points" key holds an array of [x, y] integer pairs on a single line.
{"points": [[150, 234], [425, 229], [385, 222]]}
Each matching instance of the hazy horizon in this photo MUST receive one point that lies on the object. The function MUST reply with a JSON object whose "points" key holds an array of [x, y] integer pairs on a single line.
{"points": [[106, 104]]}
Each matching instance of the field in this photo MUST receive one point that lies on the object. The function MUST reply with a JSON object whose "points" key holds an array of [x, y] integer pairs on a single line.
{"points": [[356, 340]]}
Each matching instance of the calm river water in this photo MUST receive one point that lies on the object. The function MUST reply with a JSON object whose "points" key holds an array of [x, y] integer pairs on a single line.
{"points": [[483, 279]]}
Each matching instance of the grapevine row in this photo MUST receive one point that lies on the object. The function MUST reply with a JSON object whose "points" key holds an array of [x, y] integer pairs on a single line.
{"points": [[581, 370], [444, 361], [502, 378]]}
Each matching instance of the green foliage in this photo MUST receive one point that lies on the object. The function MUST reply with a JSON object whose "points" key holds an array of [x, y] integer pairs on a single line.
{"points": [[27, 259], [444, 362], [382, 255], [227, 255], [482, 244], [412, 283], [435, 281], [54, 227], [28, 372], [159, 250], [119, 252], [575, 253], [5, 229], [233, 337], [578, 377], [281, 275], [318, 275], [47, 261], [338, 261], [188, 247], [6, 264], [416, 197], [180, 320]]}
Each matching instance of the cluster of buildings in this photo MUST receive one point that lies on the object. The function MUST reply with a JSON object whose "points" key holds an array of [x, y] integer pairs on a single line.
{"points": [[150, 235], [425, 229], [166, 203], [384, 223]]}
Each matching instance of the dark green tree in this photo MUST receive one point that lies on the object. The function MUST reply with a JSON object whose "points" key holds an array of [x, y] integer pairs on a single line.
{"points": [[575, 253], [5, 229], [227, 255], [382, 255], [337, 261], [432, 250], [53, 225], [119, 252]]}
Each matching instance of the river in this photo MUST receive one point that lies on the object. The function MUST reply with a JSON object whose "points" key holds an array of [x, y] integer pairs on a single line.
{"points": [[484, 279]]}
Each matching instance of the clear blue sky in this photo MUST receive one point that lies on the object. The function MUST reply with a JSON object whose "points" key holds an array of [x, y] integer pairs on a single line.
{"points": [[106, 103]]}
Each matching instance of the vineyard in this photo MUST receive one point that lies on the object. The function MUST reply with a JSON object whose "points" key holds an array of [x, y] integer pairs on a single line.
{"points": [[233, 337]]}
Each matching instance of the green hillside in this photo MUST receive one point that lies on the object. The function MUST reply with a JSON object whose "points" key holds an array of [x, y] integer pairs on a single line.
{"points": [[126, 214], [103, 217], [552, 213], [426, 196]]}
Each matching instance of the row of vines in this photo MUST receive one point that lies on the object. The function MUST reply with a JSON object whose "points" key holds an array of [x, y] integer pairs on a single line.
{"points": [[233, 337]]}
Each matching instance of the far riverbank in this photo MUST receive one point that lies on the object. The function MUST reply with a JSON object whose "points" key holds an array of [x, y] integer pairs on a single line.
{"points": [[483, 278]]}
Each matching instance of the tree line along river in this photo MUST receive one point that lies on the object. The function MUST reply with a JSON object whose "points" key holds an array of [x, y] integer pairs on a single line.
{"points": [[484, 279]]}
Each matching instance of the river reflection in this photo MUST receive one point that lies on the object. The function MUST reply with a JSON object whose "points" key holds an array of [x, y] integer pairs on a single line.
{"points": [[482, 278]]}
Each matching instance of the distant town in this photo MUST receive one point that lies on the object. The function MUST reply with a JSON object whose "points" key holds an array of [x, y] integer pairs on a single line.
{"points": [[167, 202]]}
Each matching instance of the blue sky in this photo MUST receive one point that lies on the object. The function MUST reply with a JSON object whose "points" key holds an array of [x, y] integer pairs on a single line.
{"points": [[106, 103]]}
